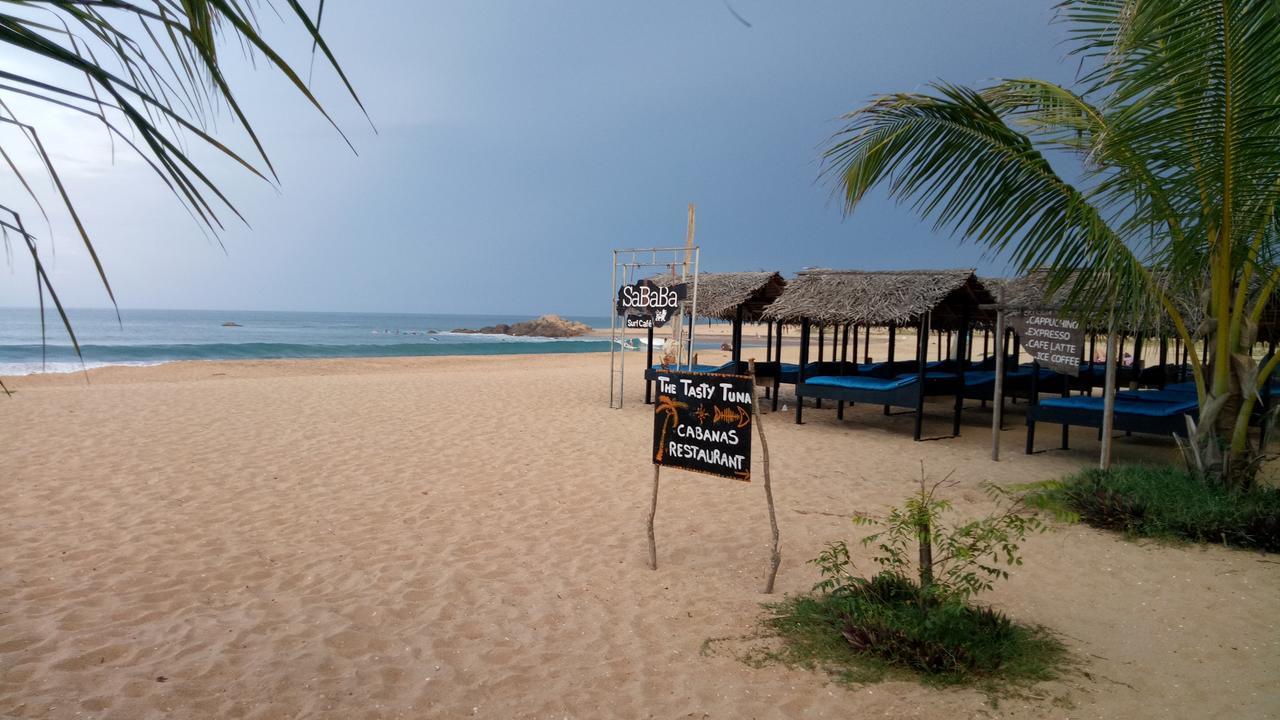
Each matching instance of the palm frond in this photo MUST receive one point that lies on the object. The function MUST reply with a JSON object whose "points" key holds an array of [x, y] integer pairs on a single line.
{"points": [[153, 78]]}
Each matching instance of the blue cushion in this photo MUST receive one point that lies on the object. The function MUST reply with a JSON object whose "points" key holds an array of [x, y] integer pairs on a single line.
{"points": [[862, 382], [1024, 370], [1123, 407], [934, 375], [972, 378], [976, 378], [1165, 396]]}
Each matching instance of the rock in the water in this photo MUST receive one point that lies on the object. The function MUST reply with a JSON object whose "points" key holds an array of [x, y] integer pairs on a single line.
{"points": [[546, 326], [550, 326]]}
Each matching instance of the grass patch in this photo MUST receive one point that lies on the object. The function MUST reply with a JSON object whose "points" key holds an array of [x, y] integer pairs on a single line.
{"points": [[1168, 503], [886, 626]]}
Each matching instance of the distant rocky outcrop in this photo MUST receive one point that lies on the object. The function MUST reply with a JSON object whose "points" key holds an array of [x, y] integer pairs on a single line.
{"points": [[546, 326]]}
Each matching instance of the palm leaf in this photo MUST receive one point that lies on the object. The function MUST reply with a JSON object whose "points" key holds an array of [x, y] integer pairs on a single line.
{"points": [[153, 78]]}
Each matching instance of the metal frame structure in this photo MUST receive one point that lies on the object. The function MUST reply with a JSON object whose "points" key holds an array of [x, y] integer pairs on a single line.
{"points": [[626, 264]]}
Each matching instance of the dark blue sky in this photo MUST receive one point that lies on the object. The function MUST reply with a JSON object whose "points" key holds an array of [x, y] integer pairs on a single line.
{"points": [[519, 142]]}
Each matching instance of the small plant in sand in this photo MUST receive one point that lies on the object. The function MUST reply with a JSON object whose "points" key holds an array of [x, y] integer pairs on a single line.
{"points": [[916, 612], [952, 563]]}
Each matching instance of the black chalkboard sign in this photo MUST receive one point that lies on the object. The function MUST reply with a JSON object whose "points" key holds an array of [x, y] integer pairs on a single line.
{"points": [[702, 422], [646, 303], [1055, 342]]}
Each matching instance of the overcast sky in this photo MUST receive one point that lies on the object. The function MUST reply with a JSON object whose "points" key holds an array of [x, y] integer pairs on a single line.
{"points": [[520, 141]]}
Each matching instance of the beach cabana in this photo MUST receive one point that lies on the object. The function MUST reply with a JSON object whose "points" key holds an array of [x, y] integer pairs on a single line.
{"points": [[737, 298], [926, 300], [1158, 411]]}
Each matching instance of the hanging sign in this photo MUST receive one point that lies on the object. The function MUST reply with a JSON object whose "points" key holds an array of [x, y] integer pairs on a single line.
{"points": [[1055, 342], [702, 422], [647, 300]]}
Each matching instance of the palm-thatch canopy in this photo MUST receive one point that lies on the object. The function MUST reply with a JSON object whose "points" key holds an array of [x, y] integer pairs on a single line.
{"points": [[1034, 292], [882, 297], [721, 294]]}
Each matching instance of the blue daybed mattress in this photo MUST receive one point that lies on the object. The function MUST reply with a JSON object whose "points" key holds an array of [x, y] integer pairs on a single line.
{"points": [[1149, 407], [862, 382]]}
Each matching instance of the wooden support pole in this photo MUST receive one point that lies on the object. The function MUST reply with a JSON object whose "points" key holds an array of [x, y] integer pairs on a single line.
{"points": [[804, 360], [736, 357], [1032, 402], [893, 330], [1268, 419], [997, 400], [866, 344], [648, 363], [1137, 366], [844, 357], [817, 402], [1182, 364], [777, 356], [1066, 428], [653, 510], [1006, 340], [775, 554], [922, 359], [1163, 377], [961, 366], [1109, 392], [768, 350]]}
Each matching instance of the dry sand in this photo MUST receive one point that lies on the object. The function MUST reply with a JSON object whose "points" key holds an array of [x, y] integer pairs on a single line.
{"points": [[457, 537]]}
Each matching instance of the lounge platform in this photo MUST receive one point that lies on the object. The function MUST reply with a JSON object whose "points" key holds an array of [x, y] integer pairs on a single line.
{"points": [[1152, 412]]}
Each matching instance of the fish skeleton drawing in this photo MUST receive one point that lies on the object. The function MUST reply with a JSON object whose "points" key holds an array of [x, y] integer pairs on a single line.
{"points": [[732, 415]]}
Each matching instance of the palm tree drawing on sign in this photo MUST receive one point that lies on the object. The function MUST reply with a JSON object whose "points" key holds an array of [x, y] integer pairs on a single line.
{"points": [[670, 407]]}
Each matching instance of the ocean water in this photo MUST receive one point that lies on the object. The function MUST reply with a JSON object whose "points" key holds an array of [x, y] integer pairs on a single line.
{"points": [[149, 337]]}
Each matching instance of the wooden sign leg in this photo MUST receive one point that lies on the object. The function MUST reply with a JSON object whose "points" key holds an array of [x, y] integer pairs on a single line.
{"points": [[775, 557], [653, 510]]}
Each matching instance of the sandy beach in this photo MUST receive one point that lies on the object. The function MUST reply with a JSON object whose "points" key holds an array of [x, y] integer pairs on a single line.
{"points": [[464, 537]]}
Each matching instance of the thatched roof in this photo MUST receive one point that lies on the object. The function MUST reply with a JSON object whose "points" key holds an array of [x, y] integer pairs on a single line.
{"points": [[1031, 292], [721, 294], [878, 298]]}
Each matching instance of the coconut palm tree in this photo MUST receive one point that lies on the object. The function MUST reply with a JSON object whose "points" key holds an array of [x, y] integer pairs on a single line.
{"points": [[150, 72], [1153, 179]]}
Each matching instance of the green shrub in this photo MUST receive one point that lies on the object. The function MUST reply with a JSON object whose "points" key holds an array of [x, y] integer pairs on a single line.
{"points": [[1169, 502], [887, 622], [915, 613]]}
